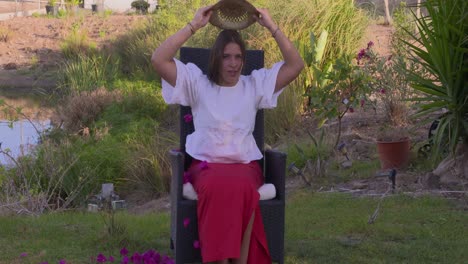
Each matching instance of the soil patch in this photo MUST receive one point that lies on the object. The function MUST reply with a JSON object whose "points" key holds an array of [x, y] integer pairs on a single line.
{"points": [[32, 52]]}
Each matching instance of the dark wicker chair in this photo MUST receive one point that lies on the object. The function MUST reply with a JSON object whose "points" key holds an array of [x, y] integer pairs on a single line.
{"points": [[274, 168]]}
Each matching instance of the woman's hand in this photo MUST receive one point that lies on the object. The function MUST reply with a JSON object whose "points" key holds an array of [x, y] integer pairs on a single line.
{"points": [[264, 19], [202, 16]]}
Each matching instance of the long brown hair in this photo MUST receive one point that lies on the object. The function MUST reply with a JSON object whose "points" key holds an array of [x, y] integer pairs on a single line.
{"points": [[216, 55]]}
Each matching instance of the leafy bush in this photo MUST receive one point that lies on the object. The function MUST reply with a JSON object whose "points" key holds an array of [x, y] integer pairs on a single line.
{"points": [[140, 5], [440, 47]]}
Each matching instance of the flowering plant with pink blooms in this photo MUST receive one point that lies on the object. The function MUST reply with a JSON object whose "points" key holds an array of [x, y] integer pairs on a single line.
{"points": [[388, 83], [338, 90]]}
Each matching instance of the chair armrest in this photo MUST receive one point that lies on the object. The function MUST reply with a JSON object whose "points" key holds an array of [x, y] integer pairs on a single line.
{"points": [[177, 165], [275, 171]]}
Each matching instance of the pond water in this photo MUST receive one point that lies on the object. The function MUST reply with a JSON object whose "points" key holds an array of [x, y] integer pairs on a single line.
{"points": [[21, 136]]}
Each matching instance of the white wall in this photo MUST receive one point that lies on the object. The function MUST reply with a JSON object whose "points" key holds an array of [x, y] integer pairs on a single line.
{"points": [[120, 6]]}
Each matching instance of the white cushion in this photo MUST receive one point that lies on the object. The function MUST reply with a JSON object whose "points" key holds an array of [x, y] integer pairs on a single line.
{"points": [[267, 191]]}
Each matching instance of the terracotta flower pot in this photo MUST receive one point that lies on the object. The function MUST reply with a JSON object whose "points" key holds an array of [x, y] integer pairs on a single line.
{"points": [[394, 154]]}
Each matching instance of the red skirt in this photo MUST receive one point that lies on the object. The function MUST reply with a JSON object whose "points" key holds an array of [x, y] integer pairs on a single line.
{"points": [[227, 198]]}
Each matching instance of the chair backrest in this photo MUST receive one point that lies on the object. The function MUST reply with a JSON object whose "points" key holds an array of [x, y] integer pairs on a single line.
{"points": [[200, 57]]}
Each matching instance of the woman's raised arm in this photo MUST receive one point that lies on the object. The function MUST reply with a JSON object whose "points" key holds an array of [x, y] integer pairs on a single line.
{"points": [[163, 57], [293, 63]]}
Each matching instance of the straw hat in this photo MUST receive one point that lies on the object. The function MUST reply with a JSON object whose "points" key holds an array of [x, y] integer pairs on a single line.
{"points": [[233, 14]]}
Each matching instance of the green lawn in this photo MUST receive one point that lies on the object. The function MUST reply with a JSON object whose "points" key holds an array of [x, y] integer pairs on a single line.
{"points": [[320, 228]]}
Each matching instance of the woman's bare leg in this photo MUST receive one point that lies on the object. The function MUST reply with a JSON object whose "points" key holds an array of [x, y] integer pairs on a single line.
{"points": [[245, 243]]}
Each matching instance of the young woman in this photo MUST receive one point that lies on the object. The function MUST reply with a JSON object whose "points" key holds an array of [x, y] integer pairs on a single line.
{"points": [[224, 105]]}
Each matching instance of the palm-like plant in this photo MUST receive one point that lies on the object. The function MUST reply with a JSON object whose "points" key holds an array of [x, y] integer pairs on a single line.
{"points": [[440, 47]]}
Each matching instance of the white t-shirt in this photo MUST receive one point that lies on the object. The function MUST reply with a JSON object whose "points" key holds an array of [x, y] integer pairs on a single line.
{"points": [[224, 117]]}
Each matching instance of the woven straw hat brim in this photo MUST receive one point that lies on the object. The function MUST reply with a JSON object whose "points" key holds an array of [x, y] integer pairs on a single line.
{"points": [[233, 14]]}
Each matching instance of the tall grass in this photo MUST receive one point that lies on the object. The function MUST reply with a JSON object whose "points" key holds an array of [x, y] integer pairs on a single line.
{"points": [[87, 73]]}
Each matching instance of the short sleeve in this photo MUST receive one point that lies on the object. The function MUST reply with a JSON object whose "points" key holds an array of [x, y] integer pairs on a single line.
{"points": [[186, 89], [264, 81]]}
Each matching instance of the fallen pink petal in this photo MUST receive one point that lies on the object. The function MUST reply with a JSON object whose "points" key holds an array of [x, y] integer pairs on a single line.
{"points": [[186, 222], [188, 118], [123, 251], [196, 244], [203, 165], [101, 258], [187, 177]]}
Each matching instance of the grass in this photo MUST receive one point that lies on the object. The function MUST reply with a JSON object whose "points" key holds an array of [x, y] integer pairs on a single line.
{"points": [[332, 228], [78, 236], [320, 228]]}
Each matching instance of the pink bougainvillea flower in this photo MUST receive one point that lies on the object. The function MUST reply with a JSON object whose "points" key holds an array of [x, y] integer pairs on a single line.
{"points": [[167, 260], [370, 44], [24, 254], [62, 261], [351, 110], [187, 177], [186, 222], [361, 54], [188, 118], [203, 165], [124, 251], [136, 258], [157, 257], [125, 260], [382, 91], [101, 258], [196, 244], [111, 259]]}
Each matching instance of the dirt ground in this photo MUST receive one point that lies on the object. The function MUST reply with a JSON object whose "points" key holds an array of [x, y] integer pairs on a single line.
{"points": [[36, 42]]}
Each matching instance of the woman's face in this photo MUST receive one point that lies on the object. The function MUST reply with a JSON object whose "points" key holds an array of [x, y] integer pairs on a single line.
{"points": [[231, 64]]}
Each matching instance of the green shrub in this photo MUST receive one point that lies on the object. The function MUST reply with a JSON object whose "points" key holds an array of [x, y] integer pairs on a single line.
{"points": [[140, 5]]}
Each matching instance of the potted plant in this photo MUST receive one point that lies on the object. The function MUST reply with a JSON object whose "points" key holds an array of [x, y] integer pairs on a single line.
{"points": [[51, 7], [98, 6], [390, 89], [141, 6]]}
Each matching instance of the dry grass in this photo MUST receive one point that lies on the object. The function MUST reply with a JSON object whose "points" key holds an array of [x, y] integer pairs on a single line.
{"points": [[5, 34], [82, 109]]}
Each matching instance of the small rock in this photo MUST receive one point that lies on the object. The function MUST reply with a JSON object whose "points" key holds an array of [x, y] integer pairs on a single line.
{"points": [[347, 164]]}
